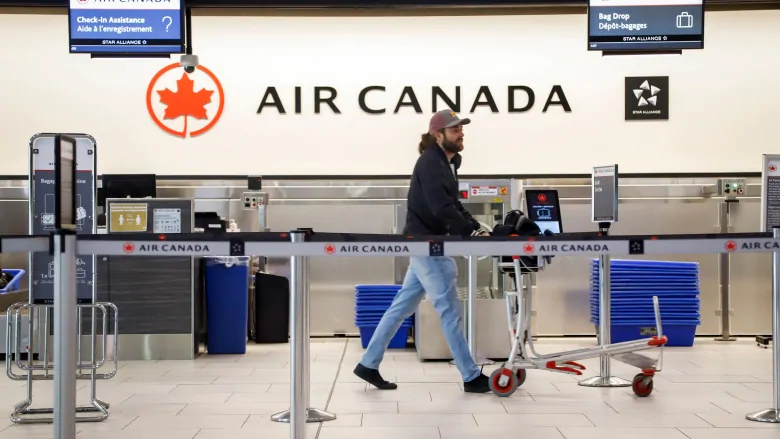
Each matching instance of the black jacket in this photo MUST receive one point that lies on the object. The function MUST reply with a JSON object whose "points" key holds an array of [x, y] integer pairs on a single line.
{"points": [[433, 207]]}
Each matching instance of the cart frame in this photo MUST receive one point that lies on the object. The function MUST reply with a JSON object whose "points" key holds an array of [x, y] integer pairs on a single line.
{"points": [[505, 380]]}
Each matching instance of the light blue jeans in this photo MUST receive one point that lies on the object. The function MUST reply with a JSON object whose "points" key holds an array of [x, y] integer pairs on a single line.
{"points": [[437, 276]]}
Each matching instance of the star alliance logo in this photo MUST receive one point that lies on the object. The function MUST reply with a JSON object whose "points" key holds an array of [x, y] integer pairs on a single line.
{"points": [[642, 91], [647, 98]]}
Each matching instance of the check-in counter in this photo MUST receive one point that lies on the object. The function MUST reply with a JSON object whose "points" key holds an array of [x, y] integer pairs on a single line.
{"points": [[160, 300]]}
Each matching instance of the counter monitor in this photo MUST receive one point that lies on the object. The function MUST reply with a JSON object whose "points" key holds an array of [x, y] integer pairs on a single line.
{"points": [[129, 186], [544, 208]]}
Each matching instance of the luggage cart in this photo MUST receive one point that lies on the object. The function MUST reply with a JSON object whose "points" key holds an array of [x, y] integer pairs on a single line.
{"points": [[504, 381], [38, 337]]}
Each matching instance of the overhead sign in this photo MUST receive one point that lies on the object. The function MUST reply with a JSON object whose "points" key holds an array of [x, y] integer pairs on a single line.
{"points": [[645, 25], [133, 27], [604, 201]]}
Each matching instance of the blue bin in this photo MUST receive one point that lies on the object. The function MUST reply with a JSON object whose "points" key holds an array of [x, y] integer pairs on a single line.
{"points": [[397, 342], [371, 303], [14, 284], [227, 307]]}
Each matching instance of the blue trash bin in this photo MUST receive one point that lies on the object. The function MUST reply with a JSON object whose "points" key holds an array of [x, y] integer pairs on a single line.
{"points": [[227, 297]]}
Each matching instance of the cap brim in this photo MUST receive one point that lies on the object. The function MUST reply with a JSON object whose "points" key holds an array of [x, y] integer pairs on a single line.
{"points": [[455, 123]]}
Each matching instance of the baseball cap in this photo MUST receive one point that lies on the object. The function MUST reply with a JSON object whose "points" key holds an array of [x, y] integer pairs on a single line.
{"points": [[445, 119]]}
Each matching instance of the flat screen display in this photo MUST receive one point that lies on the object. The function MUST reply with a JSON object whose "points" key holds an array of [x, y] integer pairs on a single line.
{"points": [[544, 209], [645, 25], [131, 27], [604, 198]]}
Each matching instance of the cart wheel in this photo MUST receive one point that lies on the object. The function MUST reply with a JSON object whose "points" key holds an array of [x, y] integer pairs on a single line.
{"points": [[641, 388], [521, 376], [498, 389]]}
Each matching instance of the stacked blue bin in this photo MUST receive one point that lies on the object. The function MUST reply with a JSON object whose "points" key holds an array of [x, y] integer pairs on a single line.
{"points": [[371, 302], [13, 284], [633, 284]]}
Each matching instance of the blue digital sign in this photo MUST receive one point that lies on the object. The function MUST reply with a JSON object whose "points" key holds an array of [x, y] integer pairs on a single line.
{"points": [[133, 27]]}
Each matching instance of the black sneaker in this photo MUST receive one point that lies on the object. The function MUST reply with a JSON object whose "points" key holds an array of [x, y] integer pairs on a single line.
{"points": [[480, 384], [372, 376]]}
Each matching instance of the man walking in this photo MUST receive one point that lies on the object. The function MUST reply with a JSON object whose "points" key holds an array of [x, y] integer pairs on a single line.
{"points": [[433, 208]]}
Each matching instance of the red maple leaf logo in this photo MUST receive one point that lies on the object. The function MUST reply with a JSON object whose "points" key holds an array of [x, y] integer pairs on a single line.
{"points": [[129, 247], [185, 101], [772, 168], [528, 248], [731, 246], [330, 249], [542, 198]]}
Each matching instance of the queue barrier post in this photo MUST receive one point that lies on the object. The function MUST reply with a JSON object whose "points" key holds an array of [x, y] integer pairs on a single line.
{"points": [[605, 378], [300, 411], [471, 313], [65, 334], [471, 321], [772, 415]]}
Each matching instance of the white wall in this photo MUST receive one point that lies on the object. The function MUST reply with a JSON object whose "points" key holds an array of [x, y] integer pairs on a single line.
{"points": [[723, 98]]}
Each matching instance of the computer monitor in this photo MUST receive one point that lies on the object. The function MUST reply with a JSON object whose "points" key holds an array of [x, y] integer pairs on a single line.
{"points": [[544, 209], [209, 222], [129, 186]]}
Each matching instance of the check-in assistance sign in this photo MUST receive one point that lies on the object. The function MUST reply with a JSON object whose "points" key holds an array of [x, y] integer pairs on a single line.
{"points": [[126, 27]]}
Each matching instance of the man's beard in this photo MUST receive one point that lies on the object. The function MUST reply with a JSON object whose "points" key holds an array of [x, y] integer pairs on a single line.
{"points": [[451, 146]]}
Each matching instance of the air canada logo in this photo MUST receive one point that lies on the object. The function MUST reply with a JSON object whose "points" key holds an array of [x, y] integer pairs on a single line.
{"points": [[528, 248], [174, 248], [367, 249], [772, 168], [182, 103], [731, 246], [129, 247], [647, 98], [381, 99], [542, 198]]}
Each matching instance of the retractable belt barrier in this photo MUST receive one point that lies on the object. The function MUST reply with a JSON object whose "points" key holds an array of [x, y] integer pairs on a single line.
{"points": [[303, 243], [331, 244]]}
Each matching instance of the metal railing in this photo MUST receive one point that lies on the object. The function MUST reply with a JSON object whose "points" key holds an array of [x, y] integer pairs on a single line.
{"points": [[299, 246], [21, 356]]}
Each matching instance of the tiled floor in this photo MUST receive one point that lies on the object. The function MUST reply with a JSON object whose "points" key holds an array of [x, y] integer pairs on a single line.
{"points": [[703, 393]]}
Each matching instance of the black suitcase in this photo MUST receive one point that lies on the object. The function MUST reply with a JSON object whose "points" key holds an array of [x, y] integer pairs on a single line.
{"points": [[272, 308]]}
